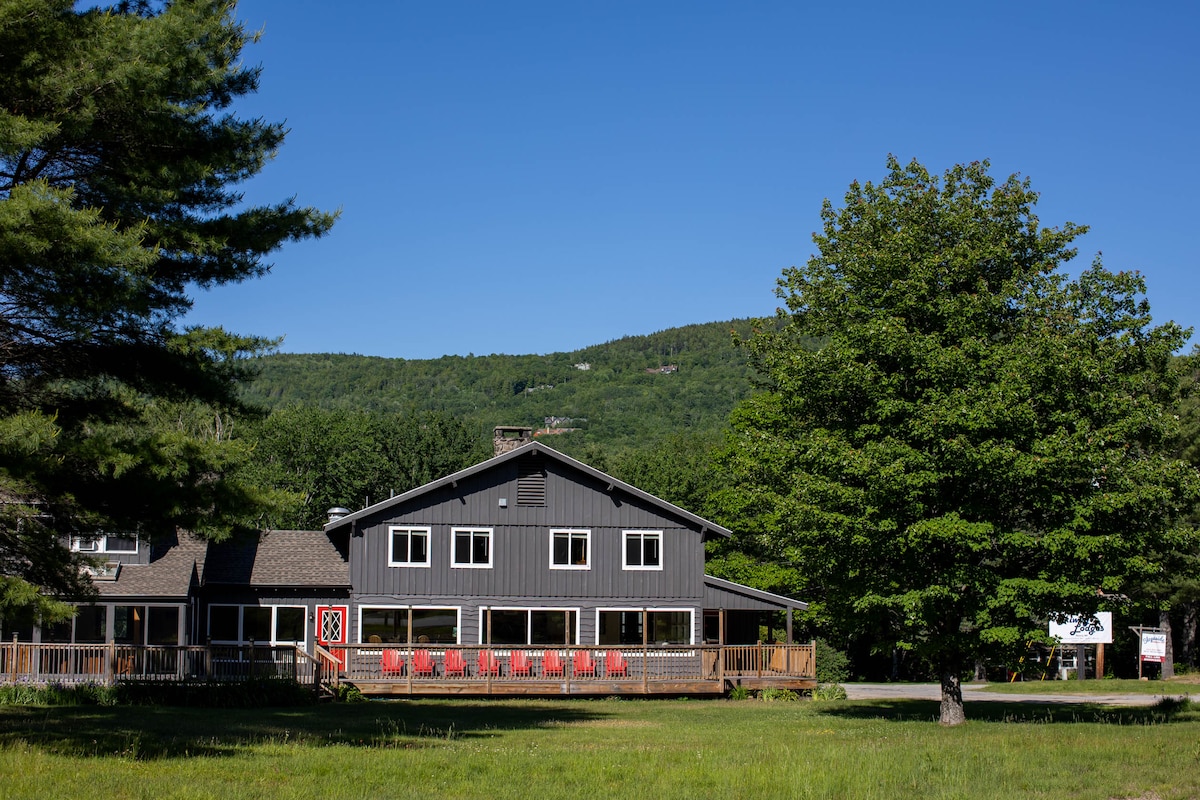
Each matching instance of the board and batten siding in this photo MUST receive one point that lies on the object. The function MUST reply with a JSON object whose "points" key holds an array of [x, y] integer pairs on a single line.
{"points": [[520, 575], [521, 545]]}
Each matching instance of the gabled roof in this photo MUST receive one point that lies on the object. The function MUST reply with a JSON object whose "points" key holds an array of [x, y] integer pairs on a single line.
{"points": [[612, 483], [171, 573], [277, 558]]}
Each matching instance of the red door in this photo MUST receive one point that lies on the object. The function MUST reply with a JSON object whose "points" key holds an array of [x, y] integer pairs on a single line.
{"points": [[331, 629]]}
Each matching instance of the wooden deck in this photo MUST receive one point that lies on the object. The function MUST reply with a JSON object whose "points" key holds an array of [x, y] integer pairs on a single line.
{"points": [[585, 671], [449, 670]]}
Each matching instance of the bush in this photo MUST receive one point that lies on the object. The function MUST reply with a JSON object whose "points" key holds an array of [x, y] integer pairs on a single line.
{"points": [[57, 694], [833, 666], [740, 693], [828, 692], [778, 695]]}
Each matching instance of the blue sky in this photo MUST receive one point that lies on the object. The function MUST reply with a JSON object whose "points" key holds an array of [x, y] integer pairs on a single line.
{"points": [[533, 177]]}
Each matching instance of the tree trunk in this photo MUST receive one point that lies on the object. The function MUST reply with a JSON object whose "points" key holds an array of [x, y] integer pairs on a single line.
{"points": [[1191, 618], [953, 712], [1168, 665]]}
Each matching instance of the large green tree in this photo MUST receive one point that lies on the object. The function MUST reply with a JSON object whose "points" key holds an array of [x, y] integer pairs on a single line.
{"points": [[120, 161], [979, 442]]}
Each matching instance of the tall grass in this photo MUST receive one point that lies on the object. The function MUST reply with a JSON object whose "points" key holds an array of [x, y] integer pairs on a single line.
{"points": [[602, 749]]}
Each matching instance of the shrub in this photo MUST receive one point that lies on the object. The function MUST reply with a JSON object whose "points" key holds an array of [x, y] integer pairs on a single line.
{"points": [[778, 695], [828, 692], [833, 666], [740, 693]]}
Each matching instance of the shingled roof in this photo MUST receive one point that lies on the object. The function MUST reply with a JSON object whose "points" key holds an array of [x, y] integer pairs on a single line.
{"points": [[173, 570], [277, 558]]}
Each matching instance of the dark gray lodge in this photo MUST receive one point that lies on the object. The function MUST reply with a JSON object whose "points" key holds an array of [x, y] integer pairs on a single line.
{"points": [[530, 573]]}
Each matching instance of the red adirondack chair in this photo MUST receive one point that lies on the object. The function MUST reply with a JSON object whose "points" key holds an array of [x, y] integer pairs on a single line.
{"points": [[455, 664], [519, 664], [391, 663], [552, 664], [584, 663], [615, 664], [422, 663], [488, 663]]}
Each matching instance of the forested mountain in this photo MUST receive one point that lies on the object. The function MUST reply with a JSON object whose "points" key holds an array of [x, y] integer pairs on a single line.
{"points": [[625, 394]]}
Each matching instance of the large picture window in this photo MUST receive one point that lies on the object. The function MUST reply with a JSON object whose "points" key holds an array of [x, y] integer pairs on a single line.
{"points": [[229, 624], [536, 626], [390, 624], [643, 550], [472, 547], [624, 626], [570, 549], [408, 547]]}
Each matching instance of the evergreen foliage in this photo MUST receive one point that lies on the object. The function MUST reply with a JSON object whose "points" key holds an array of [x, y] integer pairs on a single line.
{"points": [[119, 166]]}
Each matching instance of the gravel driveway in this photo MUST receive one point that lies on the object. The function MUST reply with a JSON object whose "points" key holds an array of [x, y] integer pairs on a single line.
{"points": [[972, 693]]}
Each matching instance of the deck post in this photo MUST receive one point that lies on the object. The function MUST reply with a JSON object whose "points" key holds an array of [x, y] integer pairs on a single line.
{"points": [[12, 662], [208, 659], [569, 667], [487, 611], [645, 651], [409, 671], [251, 659], [110, 664], [789, 625], [721, 644]]}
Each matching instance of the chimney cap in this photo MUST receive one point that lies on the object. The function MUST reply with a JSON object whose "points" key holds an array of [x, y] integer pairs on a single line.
{"points": [[337, 512]]}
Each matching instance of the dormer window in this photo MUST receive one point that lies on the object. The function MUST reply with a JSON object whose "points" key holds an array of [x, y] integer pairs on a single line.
{"points": [[105, 543]]}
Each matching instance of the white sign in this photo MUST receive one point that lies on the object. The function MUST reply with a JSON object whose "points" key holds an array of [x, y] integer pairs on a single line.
{"points": [[1154, 646], [1084, 629]]}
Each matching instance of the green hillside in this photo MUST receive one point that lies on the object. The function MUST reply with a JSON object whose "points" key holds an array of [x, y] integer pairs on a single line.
{"points": [[627, 393]]}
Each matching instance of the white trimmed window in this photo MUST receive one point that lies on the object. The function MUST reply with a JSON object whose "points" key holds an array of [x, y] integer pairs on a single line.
{"points": [[262, 624], [408, 547], [642, 550], [105, 543], [570, 549], [530, 626], [472, 548]]}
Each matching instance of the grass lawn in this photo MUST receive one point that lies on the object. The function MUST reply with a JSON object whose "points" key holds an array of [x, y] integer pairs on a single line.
{"points": [[548, 750]]}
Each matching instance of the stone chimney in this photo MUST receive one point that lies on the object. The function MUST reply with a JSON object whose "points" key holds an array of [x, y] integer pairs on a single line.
{"points": [[506, 438]]}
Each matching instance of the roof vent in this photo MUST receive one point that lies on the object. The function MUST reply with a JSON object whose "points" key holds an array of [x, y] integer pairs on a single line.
{"points": [[337, 512]]}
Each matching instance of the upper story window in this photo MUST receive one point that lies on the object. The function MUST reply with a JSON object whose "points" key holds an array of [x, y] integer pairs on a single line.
{"points": [[104, 543], [642, 550], [472, 548], [570, 549], [408, 547]]}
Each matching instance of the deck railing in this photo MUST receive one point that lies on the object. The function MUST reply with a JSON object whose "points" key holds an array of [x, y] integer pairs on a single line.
{"points": [[108, 663], [432, 662]]}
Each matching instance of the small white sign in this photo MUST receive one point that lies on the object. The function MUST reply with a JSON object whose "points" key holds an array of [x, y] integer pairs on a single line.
{"points": [[1154, 647], [1084, 629]]}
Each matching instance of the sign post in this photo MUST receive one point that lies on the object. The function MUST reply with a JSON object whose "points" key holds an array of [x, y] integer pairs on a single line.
{"points": [[1082, 630], [1152, 646]]}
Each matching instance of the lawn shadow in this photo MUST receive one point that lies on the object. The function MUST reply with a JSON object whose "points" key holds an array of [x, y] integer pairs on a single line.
{"points": [[144, 732], [1165, 711]]}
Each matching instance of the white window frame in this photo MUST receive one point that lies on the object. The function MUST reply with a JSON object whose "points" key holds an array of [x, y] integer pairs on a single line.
{"points": [[456, 564], [242, 623], [392, 607], [570, 534], [529, 622], [626, 536], [411, 531], [691, 612], [99, 544]]}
